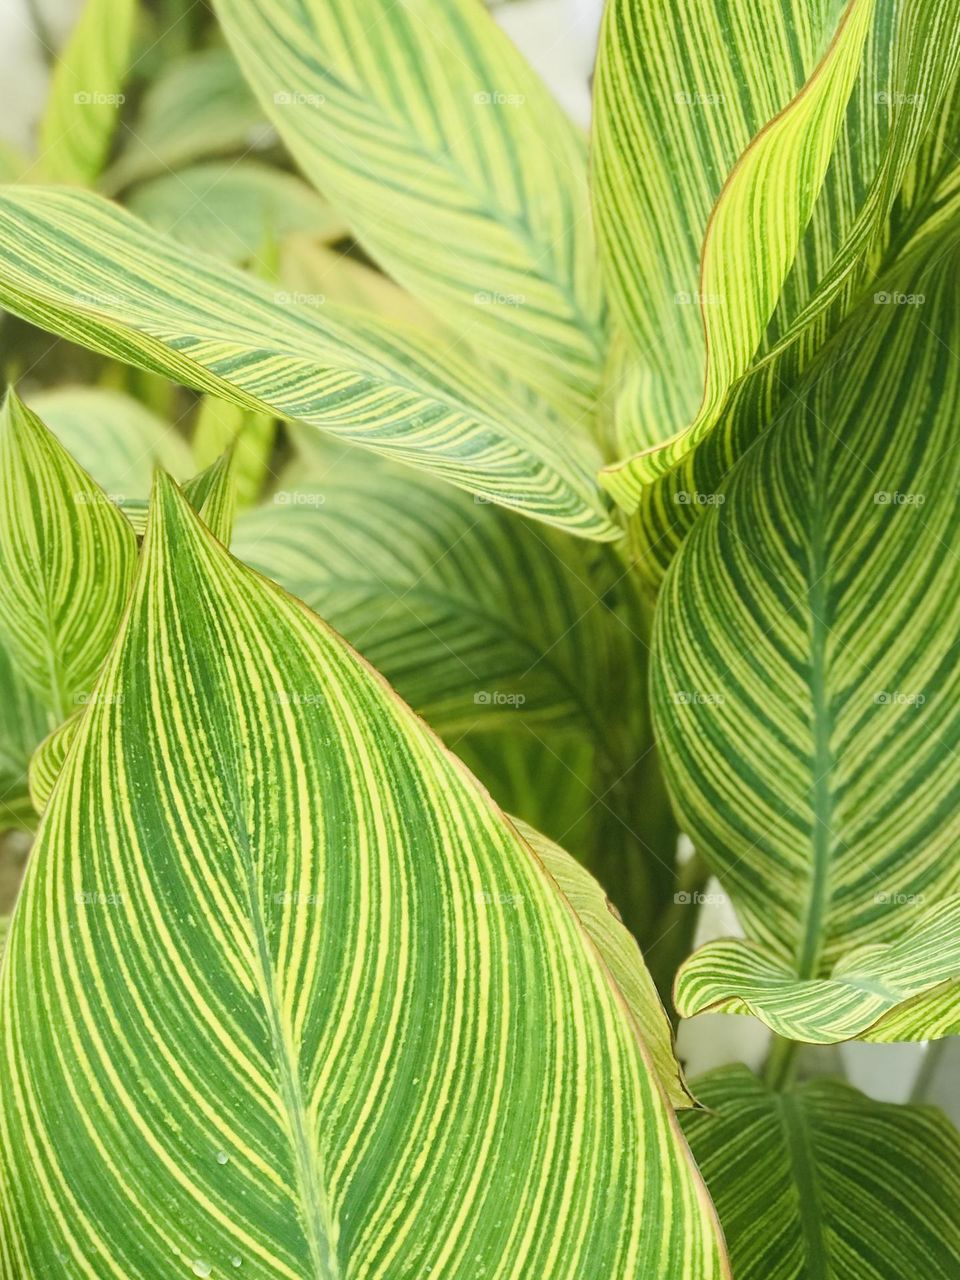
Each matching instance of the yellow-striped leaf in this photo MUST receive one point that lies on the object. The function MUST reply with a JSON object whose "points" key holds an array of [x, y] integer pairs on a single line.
{"points": [[286, 955], [823, 1182], [905, 990], [620, 953], [220, 426], [806, 693], [78, 265], [67, 558], [213, 495], [23, 723], [455, 167], [85, 96]]}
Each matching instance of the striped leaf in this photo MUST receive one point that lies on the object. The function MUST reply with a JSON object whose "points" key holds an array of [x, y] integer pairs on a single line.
{"points": [[4, 930], [455, 168], [889, 159], [823, 1182], [78, 265], [906, 990], [342, 992], [480, 621], [620, 953], [198, 107], [84, 100], [115, 438], [23, 722], [47, 761], [226, 208], [806, 693], [213, 495], [67, 558]]}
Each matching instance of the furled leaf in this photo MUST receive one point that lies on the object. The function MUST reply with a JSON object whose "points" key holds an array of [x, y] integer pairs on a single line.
{"points": [[298, 962], [84, 100], [67, 558], [906, 990], [822, 1181], [23, 722], [114, 437], [620, 953], [478, 619], [78, 265], [47, 761], [456, 169], [198, 106], [227, 207], [213, 495], [806, 689], [706, 177], [220, 426]]}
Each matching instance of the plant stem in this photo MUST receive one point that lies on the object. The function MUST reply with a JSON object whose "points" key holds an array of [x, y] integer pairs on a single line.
{"points": [[928, 1069], [781, 1064]]}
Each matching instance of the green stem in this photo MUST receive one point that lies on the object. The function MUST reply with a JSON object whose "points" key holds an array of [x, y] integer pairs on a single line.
{"points": [[928, 1069], [781, 1064]]}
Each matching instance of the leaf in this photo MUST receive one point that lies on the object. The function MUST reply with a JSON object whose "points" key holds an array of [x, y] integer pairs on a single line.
{"points": [[84, 100], [822, 1181], [198, 106], [47, 761], [251, 436], [620, 953], [4, 930], [331, 1025], [213, 495], [226, 207], [454, 166], [870, 205], [805, 688], [906, 990], [114, 437], [67, 558], [23, 722], [76, 264], [479, 620]]}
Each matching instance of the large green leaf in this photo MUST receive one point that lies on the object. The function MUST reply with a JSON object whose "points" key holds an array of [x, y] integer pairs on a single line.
{"points": [[478, 619], [304, 1003], [84, 100], [115, 438], [198, 106], [78, 265], [806, 687], [824, 1183], [67, 558], [454, 166]]}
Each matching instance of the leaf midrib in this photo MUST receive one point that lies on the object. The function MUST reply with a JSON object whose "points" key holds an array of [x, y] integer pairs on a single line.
{"points": [[816, 1256]]}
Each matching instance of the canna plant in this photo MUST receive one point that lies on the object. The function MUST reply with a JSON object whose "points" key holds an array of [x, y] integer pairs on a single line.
{"points": [[606, 470]]}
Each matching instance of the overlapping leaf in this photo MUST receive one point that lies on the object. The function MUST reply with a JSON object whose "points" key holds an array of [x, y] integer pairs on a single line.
{"points": [[115, 438], [478, 619], [806, 677], [84, 99], [228, 208], [67, 558], [250, 437], [822, 1181], [455, 167], [81, 267], [23, 723], [47, 761], [287, 955]]}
